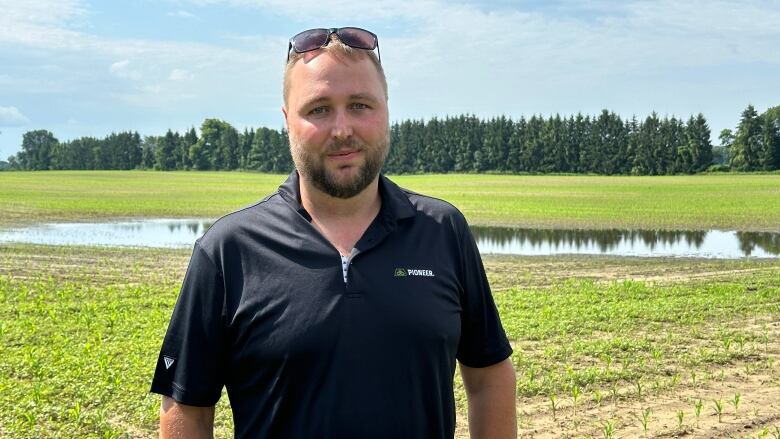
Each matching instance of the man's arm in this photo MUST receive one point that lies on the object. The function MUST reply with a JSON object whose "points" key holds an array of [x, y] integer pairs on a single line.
{"points": [[491, 395], [179, 421]]}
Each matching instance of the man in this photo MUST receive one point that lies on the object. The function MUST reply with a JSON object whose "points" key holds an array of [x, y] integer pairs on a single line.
{"points": [[336, 307]]}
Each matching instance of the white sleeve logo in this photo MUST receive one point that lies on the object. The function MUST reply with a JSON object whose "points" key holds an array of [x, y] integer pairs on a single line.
{"points": [[168, 362]]}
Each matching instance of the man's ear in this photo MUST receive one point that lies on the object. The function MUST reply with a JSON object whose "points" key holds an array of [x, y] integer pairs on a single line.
{"points": [[284, 111]]}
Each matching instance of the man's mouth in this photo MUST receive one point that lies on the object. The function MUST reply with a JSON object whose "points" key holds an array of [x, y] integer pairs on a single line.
{"points": [[344, 154]]}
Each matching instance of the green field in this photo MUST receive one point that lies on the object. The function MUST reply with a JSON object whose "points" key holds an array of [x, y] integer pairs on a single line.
{"points": [[745, 202], [600, 342]]}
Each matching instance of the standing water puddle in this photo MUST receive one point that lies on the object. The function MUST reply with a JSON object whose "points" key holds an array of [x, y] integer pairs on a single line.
{"points": [[499, 240], [716, 244]]}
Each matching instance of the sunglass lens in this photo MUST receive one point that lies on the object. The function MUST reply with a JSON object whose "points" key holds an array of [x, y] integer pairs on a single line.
{"points": [[310, 40], [357, 38]]}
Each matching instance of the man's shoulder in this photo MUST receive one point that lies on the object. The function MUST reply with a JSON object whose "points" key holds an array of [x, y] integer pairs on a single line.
{"points": [[238, 223], [433, 207]]}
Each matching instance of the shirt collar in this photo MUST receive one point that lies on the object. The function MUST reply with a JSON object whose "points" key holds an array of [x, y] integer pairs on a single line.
{"points": [[395, 204]]}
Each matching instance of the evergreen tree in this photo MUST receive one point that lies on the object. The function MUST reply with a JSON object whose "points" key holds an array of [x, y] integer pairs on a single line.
{"points": [[632, 144], [245, 146], [648, 141], [280, 149], [149, 147], [515, 147], [699, 146], [533, 145], [75, 154], [769, 156], [672, 140], [576, 132], [165, 154], [746, 147], [183, 149], [551, 155], [606, 146], [258, 153]]}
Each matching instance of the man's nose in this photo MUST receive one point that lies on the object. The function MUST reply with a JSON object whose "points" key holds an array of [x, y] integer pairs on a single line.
{"points": [[342, 126]]}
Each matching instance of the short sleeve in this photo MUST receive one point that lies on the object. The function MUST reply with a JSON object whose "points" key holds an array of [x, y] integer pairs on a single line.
{"points": [[190, 365], [483, 341]]}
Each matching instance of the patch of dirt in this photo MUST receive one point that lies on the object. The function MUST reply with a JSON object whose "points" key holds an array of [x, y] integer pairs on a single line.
{"points": [[756, 380], [506, 272], [93, 266]]}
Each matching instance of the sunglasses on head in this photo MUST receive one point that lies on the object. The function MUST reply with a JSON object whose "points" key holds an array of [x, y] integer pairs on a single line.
{"points": [[313, 39]]}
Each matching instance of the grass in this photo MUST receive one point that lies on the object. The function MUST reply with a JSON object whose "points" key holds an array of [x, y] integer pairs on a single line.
{"points": [[723, 201]]}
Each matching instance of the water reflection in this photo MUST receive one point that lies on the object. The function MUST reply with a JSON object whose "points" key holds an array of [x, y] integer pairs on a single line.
{"points": [[699, 243], [643, 243], [140, 233]]}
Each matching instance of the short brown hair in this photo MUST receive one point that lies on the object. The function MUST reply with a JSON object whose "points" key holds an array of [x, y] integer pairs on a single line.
{"points": [[339, 49]]}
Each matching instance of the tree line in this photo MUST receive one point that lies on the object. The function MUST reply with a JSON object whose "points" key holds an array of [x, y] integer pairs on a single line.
{"points": [[603, 144]]}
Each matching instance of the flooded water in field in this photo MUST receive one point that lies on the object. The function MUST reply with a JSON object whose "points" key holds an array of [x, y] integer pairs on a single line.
{"points": [[159, 232], [716, 244], [491, 240]]}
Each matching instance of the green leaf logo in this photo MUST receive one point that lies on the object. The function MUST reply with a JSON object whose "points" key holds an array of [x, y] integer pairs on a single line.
{"points": [[400, 272]]}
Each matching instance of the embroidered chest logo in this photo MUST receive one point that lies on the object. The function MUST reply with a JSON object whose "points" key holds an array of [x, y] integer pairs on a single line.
{"points": [[403, 272]]}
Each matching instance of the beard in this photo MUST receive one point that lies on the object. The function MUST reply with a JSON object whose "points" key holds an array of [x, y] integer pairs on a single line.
{"points": [[312, 167]]}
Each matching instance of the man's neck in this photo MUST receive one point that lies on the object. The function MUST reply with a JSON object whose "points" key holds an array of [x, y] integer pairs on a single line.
{"points": [[341, 220]]}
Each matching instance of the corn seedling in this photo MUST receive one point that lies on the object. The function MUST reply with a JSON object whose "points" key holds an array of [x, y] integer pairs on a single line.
{"points": [[638, 385], [575, 395], [614, 391], [718, 404], [608, 428], [726, 343], [680, 416], [776, 433], [29, 420], [606, 358], [554, 404], [645, 419], [765, 338], [735, 402], [75, 412], [697, 410], [598, 397]]}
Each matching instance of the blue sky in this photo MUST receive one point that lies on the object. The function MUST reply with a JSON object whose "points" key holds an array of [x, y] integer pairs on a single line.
{"points": [[80, 67]]}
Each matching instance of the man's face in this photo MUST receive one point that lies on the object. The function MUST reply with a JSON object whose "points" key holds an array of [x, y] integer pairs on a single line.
{"points": [[337, 121]]}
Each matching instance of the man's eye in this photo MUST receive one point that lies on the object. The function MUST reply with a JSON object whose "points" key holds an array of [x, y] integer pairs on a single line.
{"points": [[359, 106], [318, 110]]}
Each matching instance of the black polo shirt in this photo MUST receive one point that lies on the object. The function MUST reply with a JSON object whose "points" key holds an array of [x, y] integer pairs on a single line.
{"points": [[265, 312]]}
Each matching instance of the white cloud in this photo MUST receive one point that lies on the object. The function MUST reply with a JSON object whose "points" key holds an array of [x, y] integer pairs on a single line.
{"points": [[181, 75], [122, 69], [41, 23], [182, 14], [12, 117]]}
